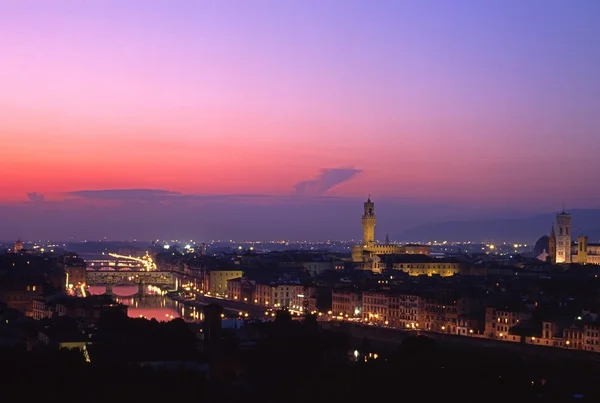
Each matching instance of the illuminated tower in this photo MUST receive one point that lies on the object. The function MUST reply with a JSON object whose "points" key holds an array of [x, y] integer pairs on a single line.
{"points": [[582, 249], [563, 238], [368, 223]]}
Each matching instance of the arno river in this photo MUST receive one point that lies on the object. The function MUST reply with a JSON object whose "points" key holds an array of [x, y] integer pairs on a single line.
{"points": [[152, 305]]}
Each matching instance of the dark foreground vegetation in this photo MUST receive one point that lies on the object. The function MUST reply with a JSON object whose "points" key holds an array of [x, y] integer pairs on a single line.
{"points": [[284, 361]]}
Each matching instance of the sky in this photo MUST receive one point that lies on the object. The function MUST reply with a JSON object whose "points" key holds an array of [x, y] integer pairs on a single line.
{"points": [[267, 119]]}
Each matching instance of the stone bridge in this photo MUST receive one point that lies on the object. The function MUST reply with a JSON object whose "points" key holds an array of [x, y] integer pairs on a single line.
{"points": [[139, 278], [129, 277]]}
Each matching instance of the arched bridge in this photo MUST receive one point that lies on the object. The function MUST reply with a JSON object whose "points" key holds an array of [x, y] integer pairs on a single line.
{"points": [[129, 277], [114, 268]]}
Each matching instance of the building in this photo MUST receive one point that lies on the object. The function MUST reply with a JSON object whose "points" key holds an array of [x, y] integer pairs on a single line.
{"points": [[404, 311], [241, 289], [20, 295], [563, 250], [584, 252], [365, 254], [301, 296], [90, 307], [346, 302], [420, 264], [283, 293], [562, 238], [18, 247], [262, 294], [375, 307], [197, 273], [218, 277], [499, 320], [438, 315], [75, 275]]}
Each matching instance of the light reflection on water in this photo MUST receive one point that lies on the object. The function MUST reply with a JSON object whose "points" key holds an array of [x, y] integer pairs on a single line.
{"points": [[152, 305]]}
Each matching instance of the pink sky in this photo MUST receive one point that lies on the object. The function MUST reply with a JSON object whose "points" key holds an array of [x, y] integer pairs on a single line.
{"points": [[456, 105]]}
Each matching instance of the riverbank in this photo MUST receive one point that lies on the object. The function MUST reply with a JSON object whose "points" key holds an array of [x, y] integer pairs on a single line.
{"points": [[387, 340], [232, 309]]}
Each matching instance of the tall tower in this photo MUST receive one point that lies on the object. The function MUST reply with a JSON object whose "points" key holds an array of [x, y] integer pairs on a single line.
{"points": [[368, 223], [582, 249], [563, 238]]}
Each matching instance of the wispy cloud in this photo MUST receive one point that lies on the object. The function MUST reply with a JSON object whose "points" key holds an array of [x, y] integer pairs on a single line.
{"points": [[36, 197], [123, 194], [327, 179]]}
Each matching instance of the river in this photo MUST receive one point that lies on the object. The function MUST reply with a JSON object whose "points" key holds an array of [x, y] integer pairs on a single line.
{"points": [[154, 304]]}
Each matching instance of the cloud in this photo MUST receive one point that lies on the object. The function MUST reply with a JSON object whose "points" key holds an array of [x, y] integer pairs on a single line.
{"points": [[160, 195], [123, 194], [327, 179], [35, 197]]}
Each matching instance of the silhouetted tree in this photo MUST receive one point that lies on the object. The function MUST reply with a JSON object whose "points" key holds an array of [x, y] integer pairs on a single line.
{"points": [[283, 317]]}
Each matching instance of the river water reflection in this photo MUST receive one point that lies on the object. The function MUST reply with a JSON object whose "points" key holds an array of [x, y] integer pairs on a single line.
{"points": [[152, 305]]}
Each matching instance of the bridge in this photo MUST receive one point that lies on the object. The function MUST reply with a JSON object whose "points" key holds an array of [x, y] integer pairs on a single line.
{"points": [[116, 261], [140, 278]]}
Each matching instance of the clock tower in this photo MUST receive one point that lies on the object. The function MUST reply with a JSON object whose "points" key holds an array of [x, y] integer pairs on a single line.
{"points": [[368, 223]]}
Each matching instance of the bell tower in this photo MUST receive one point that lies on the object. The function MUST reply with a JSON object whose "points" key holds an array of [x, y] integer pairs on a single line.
{"points": [[563, 238], [368, 223]]}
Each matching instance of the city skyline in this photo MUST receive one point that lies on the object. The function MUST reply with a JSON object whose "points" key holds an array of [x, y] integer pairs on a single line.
{"points": [[279, 118], [289, 201]]}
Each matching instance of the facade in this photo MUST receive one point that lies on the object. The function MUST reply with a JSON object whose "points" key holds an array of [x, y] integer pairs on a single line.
{"points": [[317, 267], [197, 274], [375, 307], [217, 279], [404, 311], [300, 296], [423, 265], [75, 275], [262, 294], [241, 289], [584, 252], [21, 296], [499, 321], [282, 294], [438, 315], [346, 303], [366, 252]]}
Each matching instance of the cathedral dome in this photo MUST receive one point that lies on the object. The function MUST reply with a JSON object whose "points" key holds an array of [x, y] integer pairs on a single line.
{"points": [[19, 246], [541, 245]]}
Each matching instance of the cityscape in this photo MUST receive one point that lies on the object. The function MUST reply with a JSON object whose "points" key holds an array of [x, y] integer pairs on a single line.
{"points": [[537, 300], [299, 201]]}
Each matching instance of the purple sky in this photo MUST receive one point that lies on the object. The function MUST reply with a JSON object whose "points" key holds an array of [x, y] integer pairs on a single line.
{"points": [[441, 110]]}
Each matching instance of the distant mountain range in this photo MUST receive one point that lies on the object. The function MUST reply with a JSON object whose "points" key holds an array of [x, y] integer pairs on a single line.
{"points": [[526, 230]]}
